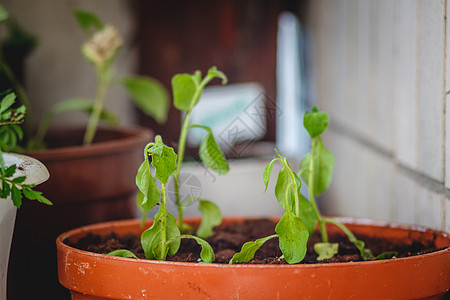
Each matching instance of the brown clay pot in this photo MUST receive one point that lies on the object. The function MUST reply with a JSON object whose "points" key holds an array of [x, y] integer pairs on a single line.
{"points": [[96, 276], [88, 184]]}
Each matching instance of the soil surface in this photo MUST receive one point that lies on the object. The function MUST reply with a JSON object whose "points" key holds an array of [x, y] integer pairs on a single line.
{"points": [[229, 239]]}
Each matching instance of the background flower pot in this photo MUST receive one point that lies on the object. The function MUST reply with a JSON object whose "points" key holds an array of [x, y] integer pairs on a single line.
{"points": [[95, 276], [88, 184], [36, 173]]}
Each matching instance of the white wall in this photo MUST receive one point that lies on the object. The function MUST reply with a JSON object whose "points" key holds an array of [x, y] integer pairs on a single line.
{"points": [[56, 70], [382, 74]]}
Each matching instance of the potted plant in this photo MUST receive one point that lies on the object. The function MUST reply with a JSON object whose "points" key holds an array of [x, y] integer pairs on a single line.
{"points": [[82, 191], [19, 175], [415, 264]]}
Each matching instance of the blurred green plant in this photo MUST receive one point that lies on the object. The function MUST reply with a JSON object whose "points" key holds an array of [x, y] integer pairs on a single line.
{"points": [[17, 44], [100, 49], [10, 134]]}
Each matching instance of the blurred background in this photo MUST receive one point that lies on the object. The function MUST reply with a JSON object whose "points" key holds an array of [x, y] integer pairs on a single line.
{"points": [[379, 68]]}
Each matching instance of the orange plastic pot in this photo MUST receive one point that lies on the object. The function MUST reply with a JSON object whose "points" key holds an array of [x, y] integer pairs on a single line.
{"points": [[95, 276]]}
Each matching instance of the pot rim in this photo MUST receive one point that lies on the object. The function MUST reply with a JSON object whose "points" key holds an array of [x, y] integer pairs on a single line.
{"points": [[346, 220], [136, 134]]}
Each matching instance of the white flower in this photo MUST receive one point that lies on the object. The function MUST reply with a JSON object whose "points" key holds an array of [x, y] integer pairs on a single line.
{"points": [[102, 46]]}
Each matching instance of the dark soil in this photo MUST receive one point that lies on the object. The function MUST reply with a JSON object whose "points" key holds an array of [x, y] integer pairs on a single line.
{"points": [[229, 239]]}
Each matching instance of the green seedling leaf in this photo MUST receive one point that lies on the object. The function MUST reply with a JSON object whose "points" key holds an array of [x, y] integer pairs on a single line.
{"points": [[326, 250], [293, 236], [212, 156], [307, 213], [3, 14], [214, 73], [207, 253], [151, 238], [323, 164], [284, 183], [267, 171], [149, 191], [249, 249], [387, 255], [164, 160], [149, 95], [315, 122], [185, 89], [366, 254], [87, 21], [211, 217], [123, 253]]}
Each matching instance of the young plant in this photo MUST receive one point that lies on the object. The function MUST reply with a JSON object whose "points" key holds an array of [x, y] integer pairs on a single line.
{"points": [[10, 133], [187, 90], [101, 49], [162, 239], [301, 215]]}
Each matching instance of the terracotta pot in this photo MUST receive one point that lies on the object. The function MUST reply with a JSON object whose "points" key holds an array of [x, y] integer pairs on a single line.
{"points": [[87, 185], [36, 173], [95, 276]]}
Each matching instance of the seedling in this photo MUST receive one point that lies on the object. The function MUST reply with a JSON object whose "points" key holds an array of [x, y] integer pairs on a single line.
{"points": [[10, 133], [101, 49], [302, 215], [163, 237], [187, 90]]}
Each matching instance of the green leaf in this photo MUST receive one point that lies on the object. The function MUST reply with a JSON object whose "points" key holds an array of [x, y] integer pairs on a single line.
{"points": [[326, 250], [16, 196], [214, 73], [315, 122], [81, 104], [6, 190], [87, 21], [19, 180], [267, 171], [387, 255], [122, 253], [146, 183], [212, 156], [307, 213], [283, 184], [7, 101], [149, 95], [211, 217], [151, 238], [366, 254], [164, 160], [249, 249], [324, 166], [293, 236], [207, 253], [185, 89], [3, 14], [10, 171], [30, 194]]}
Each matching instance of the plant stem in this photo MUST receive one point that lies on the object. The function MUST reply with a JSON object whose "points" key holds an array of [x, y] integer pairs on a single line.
{"points": [[320, 221], [347, 232], [181, 149], [163, 221], [104, 82]]}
